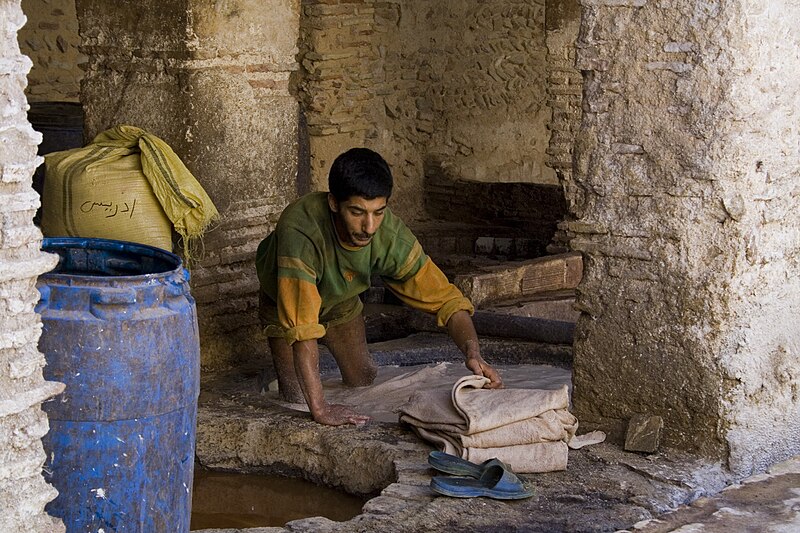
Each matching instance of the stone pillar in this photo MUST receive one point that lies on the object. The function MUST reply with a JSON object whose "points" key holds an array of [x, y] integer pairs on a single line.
{"points": [[685, 199], [212, 80], [23, 490]]}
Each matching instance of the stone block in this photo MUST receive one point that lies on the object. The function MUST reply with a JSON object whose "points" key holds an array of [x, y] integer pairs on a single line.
{"points": [[524, 278], [644, 433]]}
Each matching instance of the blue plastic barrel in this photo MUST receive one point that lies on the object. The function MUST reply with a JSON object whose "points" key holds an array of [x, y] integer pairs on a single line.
{"points": [[120, 330]]}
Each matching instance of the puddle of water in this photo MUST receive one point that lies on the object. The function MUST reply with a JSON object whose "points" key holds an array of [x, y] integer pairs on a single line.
{"points": [[230, 500]]}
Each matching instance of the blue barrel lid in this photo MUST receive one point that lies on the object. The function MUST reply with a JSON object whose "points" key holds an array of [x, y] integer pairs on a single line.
{"points": [[92, 257]]}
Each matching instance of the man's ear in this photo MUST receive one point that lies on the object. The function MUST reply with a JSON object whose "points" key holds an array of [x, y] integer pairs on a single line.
{"points": [[332, 203]]}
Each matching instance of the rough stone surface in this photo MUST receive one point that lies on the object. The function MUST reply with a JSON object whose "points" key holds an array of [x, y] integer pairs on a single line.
{"points": [[685, 204], [644, 434], [766, 502], [50, 38], [603, 488], [23, 491]]}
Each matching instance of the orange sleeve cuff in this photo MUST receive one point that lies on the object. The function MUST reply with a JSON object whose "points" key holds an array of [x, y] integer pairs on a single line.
{"points": [[451, 308], [298, 310], [305, 332]]}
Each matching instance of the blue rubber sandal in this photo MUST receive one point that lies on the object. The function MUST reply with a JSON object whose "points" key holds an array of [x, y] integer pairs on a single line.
{"points": [[452, 464], [495, 482]]}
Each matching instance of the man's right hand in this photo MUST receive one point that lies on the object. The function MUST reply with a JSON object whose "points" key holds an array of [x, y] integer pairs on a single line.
{"points": [[338, 415]]}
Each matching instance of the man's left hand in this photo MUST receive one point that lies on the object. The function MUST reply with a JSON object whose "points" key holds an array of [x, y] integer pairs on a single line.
{"points": [[479, 367]]}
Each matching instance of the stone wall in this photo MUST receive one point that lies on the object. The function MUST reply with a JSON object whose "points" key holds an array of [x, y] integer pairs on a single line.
{"points": [[212, 80], [685, 203], [23, 491], [50, 38], [463, 83]]}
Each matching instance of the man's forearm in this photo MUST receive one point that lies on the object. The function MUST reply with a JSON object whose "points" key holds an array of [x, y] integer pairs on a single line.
{"points": [[462, 331], [306, 366]]}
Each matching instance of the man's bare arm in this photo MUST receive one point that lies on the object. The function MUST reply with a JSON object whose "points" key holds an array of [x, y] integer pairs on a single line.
{"points": [[306, 365], [462, 331]]}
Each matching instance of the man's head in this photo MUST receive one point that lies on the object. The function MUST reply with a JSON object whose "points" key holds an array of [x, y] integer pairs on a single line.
{"points": [[360, 185], [360, 172]]}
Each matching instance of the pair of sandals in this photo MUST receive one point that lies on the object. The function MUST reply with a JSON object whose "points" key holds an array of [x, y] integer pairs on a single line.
{"points": [[492, 478]]}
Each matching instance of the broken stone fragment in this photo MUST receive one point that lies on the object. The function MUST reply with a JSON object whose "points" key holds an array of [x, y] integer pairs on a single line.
{"points": [[644, 433]]}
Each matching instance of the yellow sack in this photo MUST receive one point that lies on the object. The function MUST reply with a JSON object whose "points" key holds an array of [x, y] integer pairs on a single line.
{"points": [[103, 193], [179, 196]]}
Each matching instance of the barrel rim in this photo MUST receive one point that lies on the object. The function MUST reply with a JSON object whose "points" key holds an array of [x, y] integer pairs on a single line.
{"points": [[111, 244]]}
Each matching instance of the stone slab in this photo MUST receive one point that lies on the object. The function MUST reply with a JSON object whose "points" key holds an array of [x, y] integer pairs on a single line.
{"points": [[514, 280], [644, 433]]}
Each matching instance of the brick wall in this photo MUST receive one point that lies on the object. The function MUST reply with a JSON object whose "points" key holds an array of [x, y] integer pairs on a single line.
{"points": [[464, 82], [23, 491], [564, 90]]}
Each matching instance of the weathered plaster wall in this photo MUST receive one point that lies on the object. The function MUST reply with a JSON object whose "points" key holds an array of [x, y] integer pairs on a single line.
{"points": [[463, 83], [23, 491], [50, 38], [685, 204], [211, 79]]}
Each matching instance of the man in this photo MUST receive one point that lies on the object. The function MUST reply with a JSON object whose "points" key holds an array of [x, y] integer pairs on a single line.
{"points": [[320, 257]]}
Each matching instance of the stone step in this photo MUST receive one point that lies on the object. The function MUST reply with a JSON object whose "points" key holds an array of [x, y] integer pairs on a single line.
{"points": [[520, 279]]}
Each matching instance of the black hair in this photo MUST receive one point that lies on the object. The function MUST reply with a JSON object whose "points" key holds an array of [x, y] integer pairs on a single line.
{"points": [[360, 172]]}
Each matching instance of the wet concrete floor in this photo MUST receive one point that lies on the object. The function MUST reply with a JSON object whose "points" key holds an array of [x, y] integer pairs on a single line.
{"points": [[604, 488]]}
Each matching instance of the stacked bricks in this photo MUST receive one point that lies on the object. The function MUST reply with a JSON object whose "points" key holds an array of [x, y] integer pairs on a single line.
{"points": [[342, 80], [50, 38], [23, 491], [564, 90], [564, 84]]}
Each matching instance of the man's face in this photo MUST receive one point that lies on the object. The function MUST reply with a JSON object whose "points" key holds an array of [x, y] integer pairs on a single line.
{"points": [[357, 219]]}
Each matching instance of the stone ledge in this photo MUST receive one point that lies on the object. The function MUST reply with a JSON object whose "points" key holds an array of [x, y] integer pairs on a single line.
{"points": [[30, 398]]}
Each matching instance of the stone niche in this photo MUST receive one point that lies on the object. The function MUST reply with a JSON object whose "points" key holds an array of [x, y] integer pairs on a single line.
{"points": [[681, 197], [220, 83]]}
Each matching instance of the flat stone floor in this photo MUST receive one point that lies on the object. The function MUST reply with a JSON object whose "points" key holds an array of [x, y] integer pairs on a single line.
{"points": [[241, 428]]}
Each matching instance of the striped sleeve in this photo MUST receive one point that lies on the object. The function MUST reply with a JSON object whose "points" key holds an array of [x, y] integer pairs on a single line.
{"points": [[429, 290], [298, 299]]}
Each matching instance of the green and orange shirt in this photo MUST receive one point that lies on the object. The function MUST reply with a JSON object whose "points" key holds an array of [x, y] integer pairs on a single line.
{"points": [[305, 268]]}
